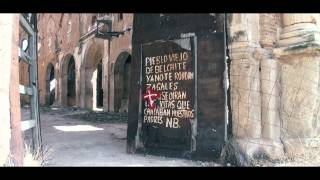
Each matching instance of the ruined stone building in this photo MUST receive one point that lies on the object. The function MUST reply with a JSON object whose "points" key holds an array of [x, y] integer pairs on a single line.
{"points": [[251, 84], [274, 82], [77, 69]]}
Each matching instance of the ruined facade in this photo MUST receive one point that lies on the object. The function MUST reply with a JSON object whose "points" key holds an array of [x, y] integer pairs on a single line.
{"points": [[197, 129], [272, 85], [273, 82], [77, 69]]}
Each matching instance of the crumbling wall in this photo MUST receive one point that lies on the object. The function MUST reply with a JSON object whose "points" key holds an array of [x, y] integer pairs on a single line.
{"points": [[274, 79], [254, 86], [65, 34], [298, 53], [207, 131], [58, 35], [11, 148], [118, 46], [5, 133]]}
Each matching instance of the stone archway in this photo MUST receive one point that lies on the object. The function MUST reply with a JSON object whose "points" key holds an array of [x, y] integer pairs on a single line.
{"points": [[99, 89], [50, 85], [122, 70], [68, 77], [92, 76]]}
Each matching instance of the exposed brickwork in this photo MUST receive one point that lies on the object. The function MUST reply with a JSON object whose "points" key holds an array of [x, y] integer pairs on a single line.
{"points": [[269, 25], [63, 35]]}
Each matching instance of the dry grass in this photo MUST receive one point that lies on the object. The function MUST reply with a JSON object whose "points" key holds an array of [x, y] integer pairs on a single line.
{"points": [[30, 159], [38, 159]]}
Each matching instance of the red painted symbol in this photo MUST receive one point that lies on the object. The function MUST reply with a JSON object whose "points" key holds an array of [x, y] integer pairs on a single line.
{"points": [[152, 98]]}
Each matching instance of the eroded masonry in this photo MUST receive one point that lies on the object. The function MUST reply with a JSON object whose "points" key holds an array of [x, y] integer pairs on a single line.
{"points": [[230, 87]]}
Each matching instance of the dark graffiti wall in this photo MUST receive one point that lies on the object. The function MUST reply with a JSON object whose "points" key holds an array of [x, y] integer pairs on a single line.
{"points": [[177, 105], [168, 69]]}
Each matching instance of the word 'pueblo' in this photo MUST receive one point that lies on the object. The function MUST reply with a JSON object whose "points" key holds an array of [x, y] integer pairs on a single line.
{"points": [[174, 57]]}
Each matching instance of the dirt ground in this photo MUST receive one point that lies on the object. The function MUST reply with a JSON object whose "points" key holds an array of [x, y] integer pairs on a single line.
{"points": [[75, 137]]}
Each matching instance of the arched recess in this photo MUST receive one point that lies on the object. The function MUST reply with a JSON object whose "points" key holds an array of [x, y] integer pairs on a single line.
{"points": [[92, 76], [50, 84], [122, 70], [68, 84], [99, 89]]}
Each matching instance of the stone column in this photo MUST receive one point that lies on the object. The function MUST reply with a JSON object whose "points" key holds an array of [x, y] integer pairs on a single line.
{"points": [[245, 84], [269, 81], [59, 80], [82, 77], [298, 54], [77, 57], [111, 86], [298, 28], [270, 108], [105, 62]]}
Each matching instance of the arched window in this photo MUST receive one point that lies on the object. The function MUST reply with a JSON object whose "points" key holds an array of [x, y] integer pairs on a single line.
{"points": [[93, 20]]}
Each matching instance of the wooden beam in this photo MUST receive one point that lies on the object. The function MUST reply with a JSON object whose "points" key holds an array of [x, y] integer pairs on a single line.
{"points": [[34, 100], [26, 26], [24, 56], [17, 148]]}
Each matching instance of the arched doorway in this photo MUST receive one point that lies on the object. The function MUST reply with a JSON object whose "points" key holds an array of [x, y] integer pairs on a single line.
{"points": [[121, 82], [92, 71], [68, 91], [99, 89], [71, 85], [50, 85]]}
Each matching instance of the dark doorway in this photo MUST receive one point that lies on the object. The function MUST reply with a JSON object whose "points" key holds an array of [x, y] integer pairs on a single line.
{"points": [[68, 81], [121, 82], [99, 85], [92, 73], [50, 85], [71, 84], [126, 81]]}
